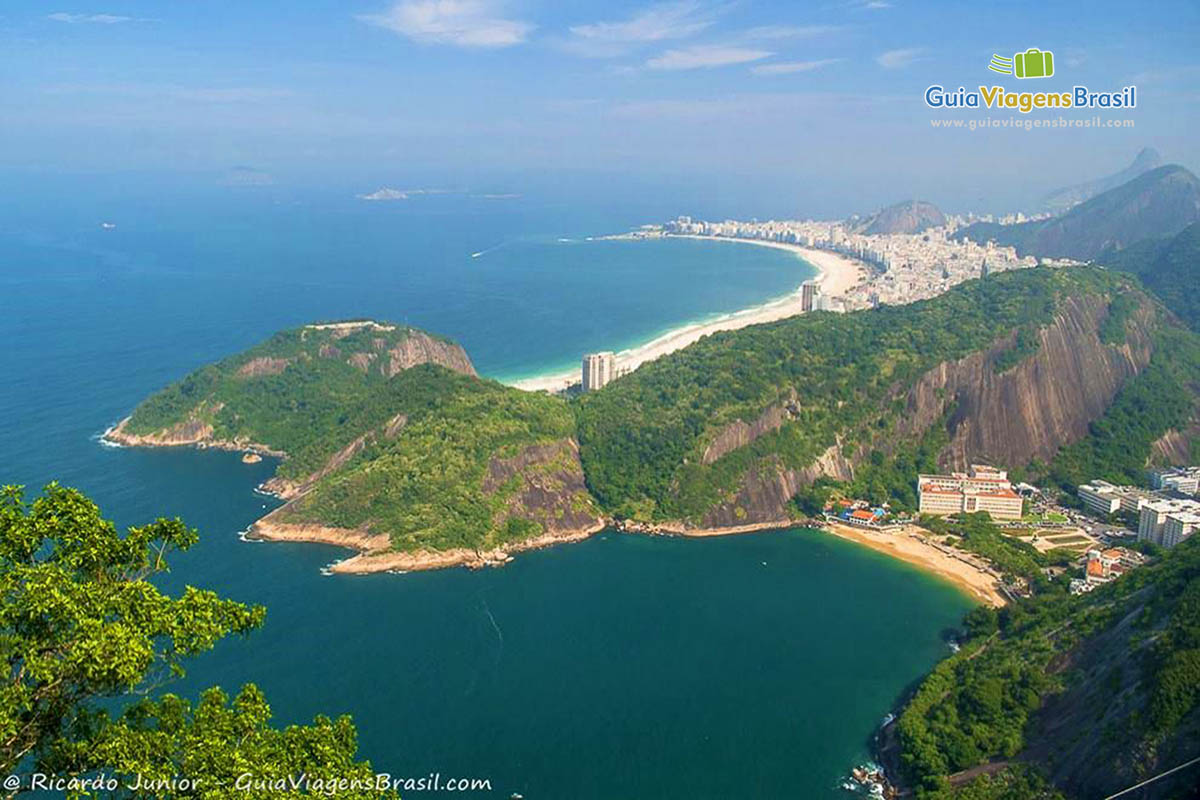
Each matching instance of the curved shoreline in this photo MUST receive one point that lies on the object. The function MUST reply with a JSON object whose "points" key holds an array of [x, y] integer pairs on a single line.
{"points": [[836, 274], [374, 553]]}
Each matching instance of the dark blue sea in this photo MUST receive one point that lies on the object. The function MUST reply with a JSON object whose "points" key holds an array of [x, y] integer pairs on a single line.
{"points": [[754, 666]]}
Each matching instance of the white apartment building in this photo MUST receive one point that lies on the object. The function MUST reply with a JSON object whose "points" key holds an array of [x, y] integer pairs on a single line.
{"points": [[1102, 497], [810, 293], [1168, 522], [1099, 497], [1184, 480], [983, 488], [598, 370]]}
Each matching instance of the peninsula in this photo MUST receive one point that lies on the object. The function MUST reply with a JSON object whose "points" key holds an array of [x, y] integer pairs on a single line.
{"points": [[393, 446], [390, 445]]}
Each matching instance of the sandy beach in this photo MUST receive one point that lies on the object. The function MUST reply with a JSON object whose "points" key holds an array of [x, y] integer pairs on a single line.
{"points": [[837, 275], [911, 545]]}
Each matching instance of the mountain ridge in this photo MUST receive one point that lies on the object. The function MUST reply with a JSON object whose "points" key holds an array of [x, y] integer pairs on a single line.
{"points": [[1158, 203], [1060, 200]]}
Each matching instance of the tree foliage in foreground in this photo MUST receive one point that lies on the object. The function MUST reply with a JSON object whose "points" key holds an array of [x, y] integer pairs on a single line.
{"points": [[82, 626]]}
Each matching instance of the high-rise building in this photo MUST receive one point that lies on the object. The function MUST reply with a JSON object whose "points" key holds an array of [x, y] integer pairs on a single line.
{"points": [[809, 292], [1168, 522], [598, 370]]}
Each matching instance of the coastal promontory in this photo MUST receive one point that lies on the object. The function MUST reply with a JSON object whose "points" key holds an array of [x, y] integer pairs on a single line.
{"points": [[390, 444]]}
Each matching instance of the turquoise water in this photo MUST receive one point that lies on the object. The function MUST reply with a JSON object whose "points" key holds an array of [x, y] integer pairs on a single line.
{"points": [[753, 666]]}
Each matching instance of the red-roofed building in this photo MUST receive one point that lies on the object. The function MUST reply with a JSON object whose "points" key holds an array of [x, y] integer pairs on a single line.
{"points": [[982, 489]]}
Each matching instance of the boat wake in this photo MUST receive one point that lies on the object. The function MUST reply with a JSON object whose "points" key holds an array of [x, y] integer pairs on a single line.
{"points": [[487, 250]]}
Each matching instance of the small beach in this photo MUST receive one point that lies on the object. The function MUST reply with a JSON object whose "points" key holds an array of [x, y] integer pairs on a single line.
{"points": [[911, 545], [837, 275]]}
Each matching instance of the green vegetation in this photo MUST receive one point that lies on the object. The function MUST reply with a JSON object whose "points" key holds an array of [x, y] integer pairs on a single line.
{"points": [[1120, 312], [1014, 782], [380, 443], [978, 704], [1024, 345], [428, 486], [1157, 203], [976, 533], [1168, 267], [306, 392], [82, 626], [1162, 397], [841, 379]]}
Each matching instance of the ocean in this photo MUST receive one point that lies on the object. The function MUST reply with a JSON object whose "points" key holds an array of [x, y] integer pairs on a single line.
{"points": [[753, 666]]}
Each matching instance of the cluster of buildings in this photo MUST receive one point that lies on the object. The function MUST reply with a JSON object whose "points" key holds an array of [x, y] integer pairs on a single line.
{"points": [[1181, 480], [905, 267], [860, 515], [1102, 566], [1104, 498], [982, 488], [1166, 515]]}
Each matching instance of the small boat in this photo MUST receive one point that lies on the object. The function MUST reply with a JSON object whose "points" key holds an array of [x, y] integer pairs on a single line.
{"points": [[888, 720]]}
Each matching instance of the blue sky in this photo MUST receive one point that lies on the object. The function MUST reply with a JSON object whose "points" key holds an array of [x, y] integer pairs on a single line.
{"points": [[718, 96]]}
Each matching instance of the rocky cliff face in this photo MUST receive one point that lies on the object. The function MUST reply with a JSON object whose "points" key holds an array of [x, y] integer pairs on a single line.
{"points": [[1044, 402], [766, 493], [421, 348], [1029, 411], [549, 487]]}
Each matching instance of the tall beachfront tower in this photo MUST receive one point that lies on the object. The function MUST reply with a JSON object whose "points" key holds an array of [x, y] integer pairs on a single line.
{"points": [[598, 370], [809, 291]]}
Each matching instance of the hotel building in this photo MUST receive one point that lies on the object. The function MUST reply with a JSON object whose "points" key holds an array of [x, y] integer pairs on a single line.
{"points": [[598, 370], [983, 488]]}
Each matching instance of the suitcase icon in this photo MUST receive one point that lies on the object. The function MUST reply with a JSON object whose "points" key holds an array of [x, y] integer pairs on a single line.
{"points": [[1034, 63]]}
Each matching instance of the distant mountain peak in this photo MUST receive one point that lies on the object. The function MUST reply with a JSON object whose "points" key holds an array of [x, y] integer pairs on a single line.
{"points": [[907, 216], [1062, 199], [1158, 203]]}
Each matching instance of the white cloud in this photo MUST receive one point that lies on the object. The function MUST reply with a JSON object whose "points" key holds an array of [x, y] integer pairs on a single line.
{"points": [[897, 59], [789, 67], [706, 56], [655, 23], [652, 24], [790, 31], [96, 19], [464, 23]]}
